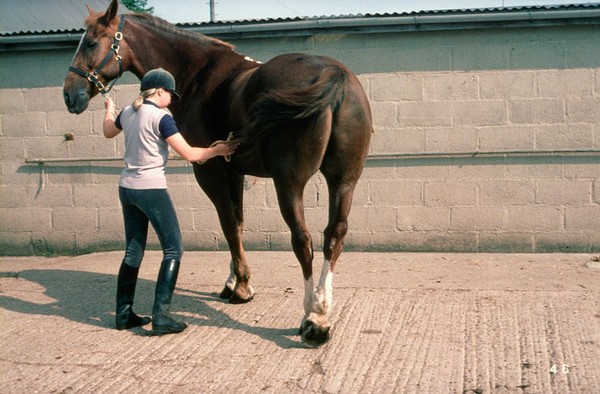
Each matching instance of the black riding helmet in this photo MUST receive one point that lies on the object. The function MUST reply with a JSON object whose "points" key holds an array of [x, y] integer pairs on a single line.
{"points": [[159, 78]]}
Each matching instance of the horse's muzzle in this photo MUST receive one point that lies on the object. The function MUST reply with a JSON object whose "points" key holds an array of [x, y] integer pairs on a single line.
{"points": [[77, 101]]}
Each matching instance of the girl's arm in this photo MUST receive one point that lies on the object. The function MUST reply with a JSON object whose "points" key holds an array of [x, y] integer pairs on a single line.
{"points": [[108, 126], [196, 154]]}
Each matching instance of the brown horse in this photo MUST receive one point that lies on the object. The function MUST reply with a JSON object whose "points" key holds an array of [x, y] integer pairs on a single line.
{"points": [[296, 114]]}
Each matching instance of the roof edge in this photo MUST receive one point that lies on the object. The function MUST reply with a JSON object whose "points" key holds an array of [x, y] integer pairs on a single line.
{"points": [[421, 21], [413, 22]]}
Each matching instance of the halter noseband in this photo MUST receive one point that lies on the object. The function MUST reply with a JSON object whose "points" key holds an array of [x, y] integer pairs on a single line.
{"points": [[93, 76]]}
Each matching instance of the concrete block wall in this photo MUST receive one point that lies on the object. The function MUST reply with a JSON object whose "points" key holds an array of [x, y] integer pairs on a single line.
{"points": [[526, 99], [407, 199], [532, 198]]}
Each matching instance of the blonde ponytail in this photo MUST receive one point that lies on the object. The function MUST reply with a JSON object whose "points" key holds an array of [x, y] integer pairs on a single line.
{"points": [[140, 99]]}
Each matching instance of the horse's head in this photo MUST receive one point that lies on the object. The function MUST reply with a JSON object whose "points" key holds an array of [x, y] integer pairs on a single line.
{"points": [[97, 61]]}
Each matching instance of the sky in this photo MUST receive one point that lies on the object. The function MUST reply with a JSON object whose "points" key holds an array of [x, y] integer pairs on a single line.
{"points": [[196, 11]]}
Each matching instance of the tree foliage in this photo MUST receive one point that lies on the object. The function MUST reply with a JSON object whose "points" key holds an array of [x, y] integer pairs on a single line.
{"points": [[138, 6]]}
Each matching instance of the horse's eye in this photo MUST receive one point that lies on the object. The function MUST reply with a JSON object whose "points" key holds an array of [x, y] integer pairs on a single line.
{"points": [[90, 44]]}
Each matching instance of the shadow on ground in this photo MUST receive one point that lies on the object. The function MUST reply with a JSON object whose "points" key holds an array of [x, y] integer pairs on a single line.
{"points": [[89, 298]]}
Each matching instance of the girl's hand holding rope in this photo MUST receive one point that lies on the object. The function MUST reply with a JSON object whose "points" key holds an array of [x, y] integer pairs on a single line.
{"points": [[224, 148]]}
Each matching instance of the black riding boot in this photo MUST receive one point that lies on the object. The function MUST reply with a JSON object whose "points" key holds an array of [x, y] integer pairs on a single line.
{"points": [[162, 322], [126, 282]]}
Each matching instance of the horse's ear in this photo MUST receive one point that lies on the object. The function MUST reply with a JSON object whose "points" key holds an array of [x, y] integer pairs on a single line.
{"points": [[90, 10], [111, 12]]}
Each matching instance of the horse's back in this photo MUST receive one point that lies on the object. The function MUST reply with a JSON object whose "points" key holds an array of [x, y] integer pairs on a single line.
{"points": [[293, 70]]}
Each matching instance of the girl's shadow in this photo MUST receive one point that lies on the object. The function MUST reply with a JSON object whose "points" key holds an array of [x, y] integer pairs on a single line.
{"points": [[89, 298]]}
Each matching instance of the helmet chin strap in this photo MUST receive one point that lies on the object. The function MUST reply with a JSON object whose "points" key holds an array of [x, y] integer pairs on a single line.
{"points": [[94, 76]]}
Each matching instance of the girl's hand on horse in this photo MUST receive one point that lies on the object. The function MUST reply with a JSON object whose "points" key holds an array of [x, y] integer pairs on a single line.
{"points": [[226, 148], [198, 154], [221, 148]]}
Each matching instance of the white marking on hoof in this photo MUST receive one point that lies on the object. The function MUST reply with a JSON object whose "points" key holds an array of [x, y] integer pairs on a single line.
{"points": [[323, 300], [231, 280]]}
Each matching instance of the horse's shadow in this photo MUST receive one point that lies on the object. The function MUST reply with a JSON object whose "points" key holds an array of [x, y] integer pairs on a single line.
{"points": [[88, 297]]}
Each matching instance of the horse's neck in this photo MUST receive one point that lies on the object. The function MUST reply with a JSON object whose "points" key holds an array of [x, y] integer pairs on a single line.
{"points": [[184, 57], [154, 53]]}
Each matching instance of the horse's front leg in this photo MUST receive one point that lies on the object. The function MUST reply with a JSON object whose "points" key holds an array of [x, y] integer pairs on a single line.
{"points": [[237, 286], [225, 190]]}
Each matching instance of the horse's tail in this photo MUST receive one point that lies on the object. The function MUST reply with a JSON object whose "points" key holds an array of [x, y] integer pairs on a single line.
{"points": [[277, 107]]}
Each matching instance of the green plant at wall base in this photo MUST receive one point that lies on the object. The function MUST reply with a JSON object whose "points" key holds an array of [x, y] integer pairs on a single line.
{"points": [[42, 248]]}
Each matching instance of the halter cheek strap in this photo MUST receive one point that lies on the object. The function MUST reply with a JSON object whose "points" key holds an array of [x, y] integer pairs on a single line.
{"points": [[93, 76]]}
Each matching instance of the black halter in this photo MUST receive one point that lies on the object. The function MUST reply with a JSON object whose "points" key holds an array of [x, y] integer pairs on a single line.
{"points": [[93, 76]]}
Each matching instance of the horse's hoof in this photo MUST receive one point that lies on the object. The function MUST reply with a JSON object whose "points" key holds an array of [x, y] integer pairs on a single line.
{"points": [[312, 335], [226, 293], [235, 299]]}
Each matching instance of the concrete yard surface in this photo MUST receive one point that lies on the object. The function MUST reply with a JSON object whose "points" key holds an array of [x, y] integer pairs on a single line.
{"points": [[402, 323]]}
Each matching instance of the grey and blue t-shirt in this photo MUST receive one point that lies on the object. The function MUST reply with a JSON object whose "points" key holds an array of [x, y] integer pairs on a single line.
{"points": [[146, 148]]}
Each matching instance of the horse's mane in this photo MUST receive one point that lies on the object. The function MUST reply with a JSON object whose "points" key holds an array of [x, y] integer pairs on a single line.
{"points": [[156, 22], [161, 24]]}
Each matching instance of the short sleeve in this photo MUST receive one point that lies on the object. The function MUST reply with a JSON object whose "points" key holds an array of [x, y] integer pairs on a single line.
{"points": [[118, 124], [167, 126]]}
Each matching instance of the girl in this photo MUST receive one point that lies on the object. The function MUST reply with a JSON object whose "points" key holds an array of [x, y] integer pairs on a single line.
{"points": [[149, 130]]}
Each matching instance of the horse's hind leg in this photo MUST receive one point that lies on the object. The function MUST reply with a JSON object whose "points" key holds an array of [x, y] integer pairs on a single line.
{"points": [[290, 196], [297, 159], [341, 167], [318, 300]]}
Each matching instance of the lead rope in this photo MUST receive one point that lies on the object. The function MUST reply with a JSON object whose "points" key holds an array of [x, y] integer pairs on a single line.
{"points": [[228, 157]]}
